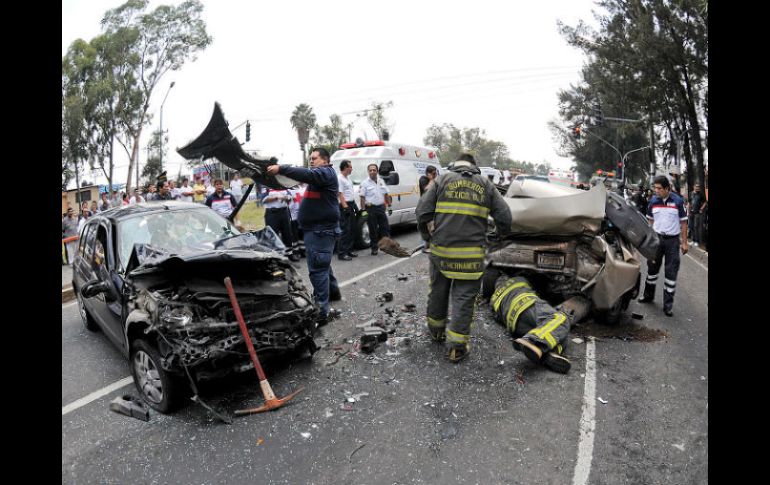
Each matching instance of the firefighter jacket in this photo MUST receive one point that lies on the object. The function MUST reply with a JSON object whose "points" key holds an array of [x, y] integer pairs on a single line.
{"points": [[459, 203]]}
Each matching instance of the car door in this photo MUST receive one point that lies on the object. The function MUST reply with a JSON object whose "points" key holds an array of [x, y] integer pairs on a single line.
{"points": [[106, 306]]}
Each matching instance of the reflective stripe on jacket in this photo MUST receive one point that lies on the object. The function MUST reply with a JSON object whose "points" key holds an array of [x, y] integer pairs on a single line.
{"points": [[459, 203]]}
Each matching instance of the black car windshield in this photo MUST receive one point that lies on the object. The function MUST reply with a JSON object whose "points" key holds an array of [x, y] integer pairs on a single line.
{"points": [[174, 231]]}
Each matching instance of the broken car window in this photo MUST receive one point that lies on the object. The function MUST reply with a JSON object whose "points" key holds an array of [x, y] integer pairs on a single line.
{"points": [[174, 231]]}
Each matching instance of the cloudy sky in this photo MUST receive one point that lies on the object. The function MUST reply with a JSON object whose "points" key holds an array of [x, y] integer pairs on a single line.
{"points": [[488, 64]]}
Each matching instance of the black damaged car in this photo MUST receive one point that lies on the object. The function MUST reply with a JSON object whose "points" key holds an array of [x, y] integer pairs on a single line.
{"points": [[151, 276]]}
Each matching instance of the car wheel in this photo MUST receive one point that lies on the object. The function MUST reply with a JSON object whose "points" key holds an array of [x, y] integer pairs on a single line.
{"points": [[88, 321], [159, 389], [363, 240], [614, 314], [488, 282]]}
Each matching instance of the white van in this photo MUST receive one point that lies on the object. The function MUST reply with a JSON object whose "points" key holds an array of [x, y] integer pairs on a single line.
{"points": [[401, 167]]}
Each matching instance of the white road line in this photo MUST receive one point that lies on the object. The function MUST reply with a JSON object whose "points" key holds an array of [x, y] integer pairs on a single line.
{"points": [[128, 380], [587, 420], [371, 272], [96, 395], [696, 262]]}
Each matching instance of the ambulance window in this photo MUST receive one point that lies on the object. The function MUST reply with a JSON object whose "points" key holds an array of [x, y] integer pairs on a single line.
{"points": [[386, 166]]}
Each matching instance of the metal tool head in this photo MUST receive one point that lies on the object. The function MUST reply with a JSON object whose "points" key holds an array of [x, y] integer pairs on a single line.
{"points": [[270, 404]]}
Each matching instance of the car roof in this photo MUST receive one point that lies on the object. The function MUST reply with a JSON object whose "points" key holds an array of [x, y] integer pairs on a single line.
{"points": [[126, 211]]}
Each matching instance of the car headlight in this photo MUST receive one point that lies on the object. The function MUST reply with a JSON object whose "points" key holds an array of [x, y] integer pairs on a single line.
{"points": [[177, 316]]}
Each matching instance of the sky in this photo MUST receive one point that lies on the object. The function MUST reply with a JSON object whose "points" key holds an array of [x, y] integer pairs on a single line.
{"points": [[488, 64]]}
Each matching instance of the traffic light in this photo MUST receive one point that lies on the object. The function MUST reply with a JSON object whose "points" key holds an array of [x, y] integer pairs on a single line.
{"points": [[598, 116], [248, 131], [576, 133]]}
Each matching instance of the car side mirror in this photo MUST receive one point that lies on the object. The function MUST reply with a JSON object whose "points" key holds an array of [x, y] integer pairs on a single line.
{"points": [[93, 288], [391, 178]]}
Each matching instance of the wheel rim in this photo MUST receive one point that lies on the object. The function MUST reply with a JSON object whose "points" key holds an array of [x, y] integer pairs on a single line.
{"points": [[82, 310], [148, 377]]}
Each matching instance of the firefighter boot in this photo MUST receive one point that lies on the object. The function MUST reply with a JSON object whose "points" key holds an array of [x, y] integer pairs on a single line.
{"points": [[557, 363], [532, 352], [457, 352]]}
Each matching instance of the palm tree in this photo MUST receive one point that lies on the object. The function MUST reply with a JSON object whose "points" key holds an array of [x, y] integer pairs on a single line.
{"points": [[302, 120]]}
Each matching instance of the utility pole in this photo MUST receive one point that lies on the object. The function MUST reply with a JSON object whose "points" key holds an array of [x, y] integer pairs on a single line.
{"points": [[160, 164]]}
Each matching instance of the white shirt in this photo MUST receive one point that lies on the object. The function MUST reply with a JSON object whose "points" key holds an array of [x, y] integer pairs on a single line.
{"points": [[373, 192], [346, 188], [133, 200], [210, 190], [176, 193], [185, 193], [236, 187]]}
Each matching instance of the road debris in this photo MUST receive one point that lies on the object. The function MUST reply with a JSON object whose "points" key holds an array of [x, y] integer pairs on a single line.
{"points": [[519, 378], [354, 451], [637, 316], [679, 447], [408, 307], [305, 435], [402, 277], [577, 340], [131, 406], [603, 401], [387, 296], [260, 441]]}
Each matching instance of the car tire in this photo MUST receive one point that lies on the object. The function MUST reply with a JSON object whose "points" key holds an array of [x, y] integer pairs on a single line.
{"points": [[161, 390], [488, 280], [87, 319], [613, 315], [363, 240]]}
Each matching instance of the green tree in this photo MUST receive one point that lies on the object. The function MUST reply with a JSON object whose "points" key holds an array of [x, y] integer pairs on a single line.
{"points": [[166, 38], [303, 120], [378, 121], [649, 59], [333, 135], [151, 168], [451, 142]]}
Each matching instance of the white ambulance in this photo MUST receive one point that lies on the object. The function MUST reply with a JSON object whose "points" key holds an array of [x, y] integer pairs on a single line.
{"points": [[400, 167]]}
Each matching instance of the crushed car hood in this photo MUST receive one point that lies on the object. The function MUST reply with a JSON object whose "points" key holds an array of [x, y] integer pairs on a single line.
{"points": [[539, 208]]}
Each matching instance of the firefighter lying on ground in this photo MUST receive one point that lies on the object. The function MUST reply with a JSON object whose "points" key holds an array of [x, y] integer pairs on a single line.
{"points": [[541, 329]]}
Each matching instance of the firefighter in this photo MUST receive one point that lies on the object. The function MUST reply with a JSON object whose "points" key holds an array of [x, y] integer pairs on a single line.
{"points": [[452, 216], [542, 330]]}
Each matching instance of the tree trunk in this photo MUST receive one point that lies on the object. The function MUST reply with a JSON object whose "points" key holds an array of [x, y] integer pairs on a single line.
{"points": [[134, 157], [77, 187], [694, 126]]}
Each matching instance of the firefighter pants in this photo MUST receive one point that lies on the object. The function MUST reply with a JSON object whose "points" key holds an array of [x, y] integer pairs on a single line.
{"points": [[519, 309], [463, 294], [669, 248]]}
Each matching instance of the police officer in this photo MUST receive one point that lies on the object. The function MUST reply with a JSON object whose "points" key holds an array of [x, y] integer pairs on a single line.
{"points": [[457, 205], [668, 218]]}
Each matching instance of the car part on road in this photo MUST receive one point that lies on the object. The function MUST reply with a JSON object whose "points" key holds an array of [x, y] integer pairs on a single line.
{"points": [[130, 406], [271, 402], [389, 246]]}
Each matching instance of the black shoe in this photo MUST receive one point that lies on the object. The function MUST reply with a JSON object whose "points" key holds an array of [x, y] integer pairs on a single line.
{"points": [[353, 255], [668, 312], [333, 314], [646, 299], [321, 322], [294, 257], [374, 252], [344, 257], [335, 295]]}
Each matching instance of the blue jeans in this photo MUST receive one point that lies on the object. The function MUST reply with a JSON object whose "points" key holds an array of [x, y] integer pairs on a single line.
{"points": [[319, 246]]}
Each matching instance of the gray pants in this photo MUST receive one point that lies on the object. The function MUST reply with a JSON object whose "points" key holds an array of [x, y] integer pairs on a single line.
{"points": [[463, 294], [525, 315], [697, 227]]}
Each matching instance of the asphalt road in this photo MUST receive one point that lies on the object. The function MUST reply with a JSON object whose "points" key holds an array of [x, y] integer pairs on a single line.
{"points": [[416, 418]]}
